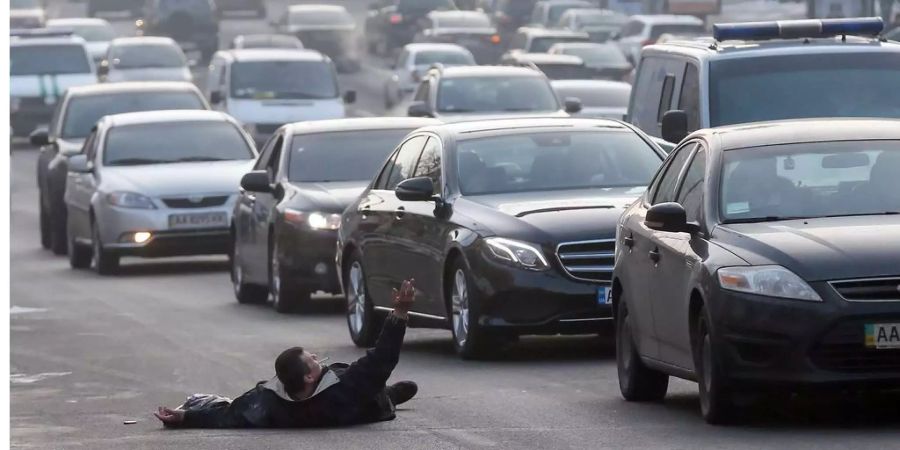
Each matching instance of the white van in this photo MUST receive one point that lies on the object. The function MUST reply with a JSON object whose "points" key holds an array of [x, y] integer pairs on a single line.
{"points": [[267, 88]]}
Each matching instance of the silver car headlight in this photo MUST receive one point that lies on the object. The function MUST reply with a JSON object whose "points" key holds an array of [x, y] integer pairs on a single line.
{"points": [[517, 253], [770, 281], [133, 200]]}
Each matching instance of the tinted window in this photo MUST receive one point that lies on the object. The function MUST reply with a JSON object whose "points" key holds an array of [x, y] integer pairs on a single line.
{"points": [[543, 161], [665, 189], [495, 94], [170, 142], [462, 21], [689, 100], [598, 54], [430, 57], [599, 18], [405, 161], [659, 30], [321, 17], [799, 86], [194, 6], [83, 112], [542, 44], [345, 156], [690, 194], [267, 80], [811, 180], [147, 55], [430, 163], [590, 96], [47, 59], [565, 71]]}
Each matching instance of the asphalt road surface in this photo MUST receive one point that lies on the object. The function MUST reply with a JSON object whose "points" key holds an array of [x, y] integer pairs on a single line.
{"points": [[89, 353]]}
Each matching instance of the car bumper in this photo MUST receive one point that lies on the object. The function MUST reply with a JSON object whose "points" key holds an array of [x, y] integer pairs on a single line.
{"points": [[308, 256], [768, 341]]}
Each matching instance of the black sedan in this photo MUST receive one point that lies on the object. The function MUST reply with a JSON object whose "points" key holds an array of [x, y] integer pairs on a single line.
{"points": [[762, 256], [507, 227], [286, 218]]}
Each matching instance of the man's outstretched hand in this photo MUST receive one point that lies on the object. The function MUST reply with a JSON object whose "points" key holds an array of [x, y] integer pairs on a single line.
{"points": [[169, 417], [404, 298]]}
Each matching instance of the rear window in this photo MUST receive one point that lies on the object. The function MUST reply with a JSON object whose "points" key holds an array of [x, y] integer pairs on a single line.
{"points": [[48, 60], [422, 6], [321, 17], [173, 142], [24, 4], [194, 6], [83, 112], [346, 156], [496, 94], [147, 55], [267, 80], [450, 58], [598, 54], [658, 30], [556, 11]]}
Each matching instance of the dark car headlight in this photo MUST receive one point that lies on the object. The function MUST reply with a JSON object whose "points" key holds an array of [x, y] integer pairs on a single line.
{"points": [[313, 219], [770, 281], [517, 253]]}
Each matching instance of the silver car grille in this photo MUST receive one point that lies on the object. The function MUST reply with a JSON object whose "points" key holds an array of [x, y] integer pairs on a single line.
{"points": [[195, 202], [588, 260], [869, 289]]}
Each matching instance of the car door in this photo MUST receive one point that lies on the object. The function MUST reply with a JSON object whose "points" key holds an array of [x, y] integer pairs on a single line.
{"points": [[639, 259], [257, 207], [80, 188], [679, 253]]}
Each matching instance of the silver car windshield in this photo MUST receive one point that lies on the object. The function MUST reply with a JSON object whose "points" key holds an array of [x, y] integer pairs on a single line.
{"points": [[174, 142], [810, 180]]}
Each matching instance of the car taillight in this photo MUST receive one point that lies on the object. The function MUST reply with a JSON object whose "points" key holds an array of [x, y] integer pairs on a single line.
{"points": [[495, 39], [396, 19]]}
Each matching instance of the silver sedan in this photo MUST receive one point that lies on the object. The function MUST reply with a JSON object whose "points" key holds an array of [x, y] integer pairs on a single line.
{"points": [[159, 183]]}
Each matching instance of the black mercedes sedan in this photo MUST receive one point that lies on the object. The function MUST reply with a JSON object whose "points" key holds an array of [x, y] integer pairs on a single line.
{"points": [[761, 256], [287, 215], [507, 226]]}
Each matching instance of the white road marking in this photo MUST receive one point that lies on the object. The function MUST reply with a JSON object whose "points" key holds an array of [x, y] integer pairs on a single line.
{"points": [[21, 378]]}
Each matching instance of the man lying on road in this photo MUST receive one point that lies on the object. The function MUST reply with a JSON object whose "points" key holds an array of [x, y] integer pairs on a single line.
{"points": [[306, 393]]}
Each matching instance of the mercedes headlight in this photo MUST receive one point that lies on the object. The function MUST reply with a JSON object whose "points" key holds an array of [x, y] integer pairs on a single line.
{"points": [[130, 200], [770, 281], [315, 220], [520, 254]]}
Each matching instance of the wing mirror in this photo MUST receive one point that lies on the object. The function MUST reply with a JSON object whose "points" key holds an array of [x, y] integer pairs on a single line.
{"points": [[674, 125], [256, 181], [573, 105], [39, 137], [350, 97], [418, 109], [215, 97], [80, 164], [669, 217], [417, 189]]}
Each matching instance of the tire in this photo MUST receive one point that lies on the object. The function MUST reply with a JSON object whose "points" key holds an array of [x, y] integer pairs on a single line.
{"points": [[44, 223], [362, 322], [59, 236], [105, 262], [470, 339], [637, 382], [716, 402], [245, 293], [287, 297], [79, 255]]}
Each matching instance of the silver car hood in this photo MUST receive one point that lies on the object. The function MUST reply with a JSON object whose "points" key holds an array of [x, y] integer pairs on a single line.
{"points": [[177, 179]]}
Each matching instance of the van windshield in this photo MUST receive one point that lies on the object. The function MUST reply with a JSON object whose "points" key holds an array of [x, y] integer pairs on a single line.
{"points": [[804, 86], [47, 60], [283, 80]]}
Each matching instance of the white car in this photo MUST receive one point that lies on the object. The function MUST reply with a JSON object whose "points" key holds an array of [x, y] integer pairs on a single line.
{"points": [[145, 59], [643, 30], [96, 32], [266, 40], [600, 99], [26, 14], [159, 183], [412, 63]]}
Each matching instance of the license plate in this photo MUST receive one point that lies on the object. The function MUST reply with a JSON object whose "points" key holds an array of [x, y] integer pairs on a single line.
{"points": [[604, 295], [199, 220], [883, 335]]}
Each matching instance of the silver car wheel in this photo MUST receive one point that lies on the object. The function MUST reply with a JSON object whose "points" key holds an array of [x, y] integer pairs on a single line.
{"points": [[460, 303], [356, 298]]}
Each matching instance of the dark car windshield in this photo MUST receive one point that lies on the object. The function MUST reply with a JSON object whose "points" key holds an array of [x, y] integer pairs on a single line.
{"points": [[542, 44], [283, 80], [495, 94], [147, 55], [802, 86], [343, 156], [83, 112], [543, 161], [172, 142], [430, 57], [47, 60], [811, 180]]}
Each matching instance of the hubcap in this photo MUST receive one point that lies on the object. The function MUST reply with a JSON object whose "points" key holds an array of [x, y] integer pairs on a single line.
{"points": [[356, 298], [460, 304]]}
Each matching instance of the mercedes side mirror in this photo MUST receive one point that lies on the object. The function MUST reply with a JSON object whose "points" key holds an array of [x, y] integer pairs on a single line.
{"points": [[256, 181], [418, 109], [417, 189], [39, 137], [80, 164], [674, 125], [215, 97], [573, 105], [670, 217], [350, 97]]}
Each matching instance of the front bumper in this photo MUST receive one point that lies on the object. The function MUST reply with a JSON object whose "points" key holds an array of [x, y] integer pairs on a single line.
{"points": [[768, 341], [308, 256]]}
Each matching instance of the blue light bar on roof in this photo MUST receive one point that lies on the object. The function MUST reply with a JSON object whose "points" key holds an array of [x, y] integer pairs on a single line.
{"points": [[792, 29]]}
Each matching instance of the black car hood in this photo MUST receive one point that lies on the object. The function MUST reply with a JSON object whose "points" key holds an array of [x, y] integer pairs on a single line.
{"points": [[332, 196], [820, 249], [551, 217]]}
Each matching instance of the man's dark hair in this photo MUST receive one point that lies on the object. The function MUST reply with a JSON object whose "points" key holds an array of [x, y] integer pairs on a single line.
{"points": [[290, 370]]}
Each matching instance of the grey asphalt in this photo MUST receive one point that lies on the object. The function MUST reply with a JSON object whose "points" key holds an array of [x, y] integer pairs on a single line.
{"points": [[89, 353]]}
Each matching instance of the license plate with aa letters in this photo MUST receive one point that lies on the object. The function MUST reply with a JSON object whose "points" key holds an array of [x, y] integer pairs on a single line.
{"points": [[198, 220], [883, 335]]}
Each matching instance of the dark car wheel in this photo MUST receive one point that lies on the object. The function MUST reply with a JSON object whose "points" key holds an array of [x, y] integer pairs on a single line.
{"points": [[286, 296], [244, 292], [79, 255], [637, 382], [362, 322], [45, 225], [58, 234], [104, 261], [715, 397], [470, 339]]}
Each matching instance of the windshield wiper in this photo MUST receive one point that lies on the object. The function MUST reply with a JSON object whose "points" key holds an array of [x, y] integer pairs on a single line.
{"points": [[882, 213], [134, 161], [196, 158], [764, 219]]}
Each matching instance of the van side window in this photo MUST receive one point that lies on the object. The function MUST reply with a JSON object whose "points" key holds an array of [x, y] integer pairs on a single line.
{"points": [[689, 100], [665, 98], [642, 113]]}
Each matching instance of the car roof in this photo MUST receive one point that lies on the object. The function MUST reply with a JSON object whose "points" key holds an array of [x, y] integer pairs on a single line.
{"points": [[462, 14], [585, 44], [552, 32], [709, 49], [593, 12], [590, 84], [761, 134], [162, 117], [546, 58], [424, 47], [480, 71], [358, 124], [510, 126], [143, 40], [659, 19], [316, 7], [131, 86], [77, 21], [274, 54]]}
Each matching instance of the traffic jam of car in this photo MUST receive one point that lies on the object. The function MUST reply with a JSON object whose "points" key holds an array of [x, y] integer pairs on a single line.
{"points": [[721, 197]]}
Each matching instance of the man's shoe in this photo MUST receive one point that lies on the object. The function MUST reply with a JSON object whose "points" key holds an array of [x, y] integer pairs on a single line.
{"points": [[401, 392]]}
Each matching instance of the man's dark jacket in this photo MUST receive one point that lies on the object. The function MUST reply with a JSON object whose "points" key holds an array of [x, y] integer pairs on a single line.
{"points": [[355, 395]]}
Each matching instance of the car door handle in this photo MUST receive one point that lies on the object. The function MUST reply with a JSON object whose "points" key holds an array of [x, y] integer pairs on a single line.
{"points": [[628, 241], [654, 255], [400, 212]]}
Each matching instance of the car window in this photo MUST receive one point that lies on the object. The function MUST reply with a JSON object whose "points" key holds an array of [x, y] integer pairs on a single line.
{"points": [[385, 174], [689, 100], [341, 156], [653, 72], [405, 161], [461, 21], [174, 142], [543, 44], [266, 154], [83, 112], [266, 80], [664, 191], [665, 98], [690, 194], [147, 55], [430, 163], [272, 165], [48, 60], [89, 149], [429, 57], [496, 94]]}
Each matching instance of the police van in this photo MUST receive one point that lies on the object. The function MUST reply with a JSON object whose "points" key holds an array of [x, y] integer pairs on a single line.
{"points": [[42, 65], [751, 72]]}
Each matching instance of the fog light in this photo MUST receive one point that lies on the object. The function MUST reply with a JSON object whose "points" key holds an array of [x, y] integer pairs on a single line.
{"points": [[321, 269], [141, 236]]}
